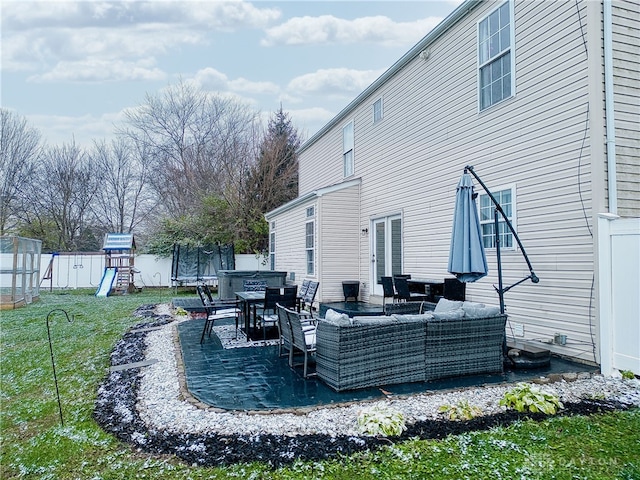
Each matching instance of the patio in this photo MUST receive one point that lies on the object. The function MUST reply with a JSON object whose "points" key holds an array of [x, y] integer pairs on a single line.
{"points": [[151, 408], [257, 379]]}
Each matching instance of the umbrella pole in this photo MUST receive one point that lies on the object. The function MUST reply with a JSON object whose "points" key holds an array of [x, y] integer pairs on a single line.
{"points": [[498, 259], [534, 278]]}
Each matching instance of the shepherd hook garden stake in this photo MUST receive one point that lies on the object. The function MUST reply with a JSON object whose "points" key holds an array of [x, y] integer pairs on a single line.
{"points": [[53, 363]]}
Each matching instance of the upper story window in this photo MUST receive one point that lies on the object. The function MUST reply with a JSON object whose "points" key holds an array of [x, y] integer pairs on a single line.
{"points": [[506, 199], [377, 110], [347, 149], [495, 56]]}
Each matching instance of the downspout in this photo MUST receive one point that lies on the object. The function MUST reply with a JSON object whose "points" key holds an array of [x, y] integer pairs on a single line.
{"points": [[609, 109]]}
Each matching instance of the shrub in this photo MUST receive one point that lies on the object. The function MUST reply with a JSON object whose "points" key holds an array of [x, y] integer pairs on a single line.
{"points": [[462, 410], [381, 420], [528, 398]]}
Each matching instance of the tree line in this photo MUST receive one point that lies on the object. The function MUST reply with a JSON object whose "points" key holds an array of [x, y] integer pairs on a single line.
{"points": [[185, 166]]}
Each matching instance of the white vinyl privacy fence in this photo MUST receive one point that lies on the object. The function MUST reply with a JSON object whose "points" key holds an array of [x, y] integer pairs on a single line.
{"points": [[619, 284], [85, 270]]}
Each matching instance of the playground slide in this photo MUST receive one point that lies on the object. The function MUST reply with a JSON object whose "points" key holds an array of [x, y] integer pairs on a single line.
{"points": [[107, 282]]}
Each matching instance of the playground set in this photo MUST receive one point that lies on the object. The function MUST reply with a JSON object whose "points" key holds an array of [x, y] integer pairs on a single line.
{"points": [[119, 269]]}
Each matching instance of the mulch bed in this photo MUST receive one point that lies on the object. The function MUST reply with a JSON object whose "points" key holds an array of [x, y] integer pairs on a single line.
{"points": [[116, 412]]}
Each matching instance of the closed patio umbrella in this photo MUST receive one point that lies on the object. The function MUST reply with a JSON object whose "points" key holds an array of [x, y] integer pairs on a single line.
{"points": [[467, 260]]}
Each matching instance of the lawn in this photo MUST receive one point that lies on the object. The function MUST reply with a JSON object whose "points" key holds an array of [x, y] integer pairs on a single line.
{"points": [[35, 445]]}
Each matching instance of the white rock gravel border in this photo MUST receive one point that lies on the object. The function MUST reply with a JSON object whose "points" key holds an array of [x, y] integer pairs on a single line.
{"points": [[161, 403]]}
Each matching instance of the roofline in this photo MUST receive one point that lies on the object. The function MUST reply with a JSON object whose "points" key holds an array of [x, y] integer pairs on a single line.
{"points": [[308, 196], [431, 37]]}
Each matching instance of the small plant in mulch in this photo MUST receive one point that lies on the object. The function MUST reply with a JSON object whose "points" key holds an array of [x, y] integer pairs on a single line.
{"points": [[180, 312], [627, 374], [525, 397], [462, 410], [381, 420]]}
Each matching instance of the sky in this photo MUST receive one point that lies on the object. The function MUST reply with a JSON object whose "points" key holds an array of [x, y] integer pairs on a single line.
{"points": [[71, 68]]}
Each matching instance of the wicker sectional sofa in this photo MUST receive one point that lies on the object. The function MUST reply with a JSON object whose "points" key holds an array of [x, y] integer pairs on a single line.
{"points": [[456, 339]]}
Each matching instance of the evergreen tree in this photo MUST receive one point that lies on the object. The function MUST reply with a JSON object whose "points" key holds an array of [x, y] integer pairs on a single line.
{"points": [[273, 180]]}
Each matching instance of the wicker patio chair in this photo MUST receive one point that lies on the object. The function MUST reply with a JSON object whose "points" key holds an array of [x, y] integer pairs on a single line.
{"points": [[404, 308]]}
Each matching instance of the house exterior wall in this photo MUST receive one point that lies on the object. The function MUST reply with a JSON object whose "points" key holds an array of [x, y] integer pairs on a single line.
{"points": [[626, 72], [323, 165], [546, 142], [337, 213], [339, 236], [289, 228]]}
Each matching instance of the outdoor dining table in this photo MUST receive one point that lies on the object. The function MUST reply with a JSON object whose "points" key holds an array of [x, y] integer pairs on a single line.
{"points": [[248, 299], [435, 287]]}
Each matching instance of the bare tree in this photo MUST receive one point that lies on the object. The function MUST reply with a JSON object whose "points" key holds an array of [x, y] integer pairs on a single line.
{"points": [[199, 144], [19, 150], [62, 195], [123, 200]]}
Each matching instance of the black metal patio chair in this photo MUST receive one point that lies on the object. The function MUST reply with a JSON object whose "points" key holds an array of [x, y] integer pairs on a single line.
{"points": [[387, 289], [303, 339], [216, 311]]}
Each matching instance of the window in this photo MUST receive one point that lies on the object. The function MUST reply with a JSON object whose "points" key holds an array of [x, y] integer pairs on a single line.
{"points": [[495, 57], [272, 250], [506, 199], [377, 110], [310, 241], [347, 148]]}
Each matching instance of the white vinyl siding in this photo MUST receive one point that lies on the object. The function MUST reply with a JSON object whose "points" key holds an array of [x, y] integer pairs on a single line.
{"points": [[342, 243], [337, 231], [539, 140], [495, 56], [626, 65], [347, 149]]}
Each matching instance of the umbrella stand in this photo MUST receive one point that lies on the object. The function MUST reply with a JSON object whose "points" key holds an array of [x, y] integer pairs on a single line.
{"points": [[498, 209]]}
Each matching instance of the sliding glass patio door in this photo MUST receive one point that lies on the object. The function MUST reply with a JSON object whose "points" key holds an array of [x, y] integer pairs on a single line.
{"points": [[386, 250]]}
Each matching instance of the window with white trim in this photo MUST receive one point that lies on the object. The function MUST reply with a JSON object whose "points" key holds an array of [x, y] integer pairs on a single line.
{"points": [[506, 198], [347, 149], [310, 241], [272, 248], [495, 57], [377, 110]]}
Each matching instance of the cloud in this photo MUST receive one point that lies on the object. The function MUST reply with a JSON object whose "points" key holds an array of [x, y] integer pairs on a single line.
{"points": [[327, 29], [334, 82], [212, 80], [100, 71], [40, 36], [83, 129], [230, 14]]}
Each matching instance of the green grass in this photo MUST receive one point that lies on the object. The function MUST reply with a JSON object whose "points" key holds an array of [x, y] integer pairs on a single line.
{"points": [[35, 446]]}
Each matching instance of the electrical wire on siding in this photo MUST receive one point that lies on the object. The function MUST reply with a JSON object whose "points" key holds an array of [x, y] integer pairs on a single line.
{"points": [[584, 40]]}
